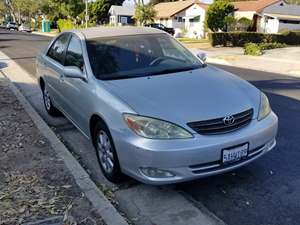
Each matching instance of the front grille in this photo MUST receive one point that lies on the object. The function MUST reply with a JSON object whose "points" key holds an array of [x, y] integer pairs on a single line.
{"points": [[217, 126]]}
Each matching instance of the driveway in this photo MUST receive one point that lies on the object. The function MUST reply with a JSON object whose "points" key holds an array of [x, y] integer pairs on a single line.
{"points": [[285, 61]]}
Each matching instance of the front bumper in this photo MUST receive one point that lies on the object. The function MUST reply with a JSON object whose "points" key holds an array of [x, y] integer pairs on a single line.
{"points": [[194, 158]]}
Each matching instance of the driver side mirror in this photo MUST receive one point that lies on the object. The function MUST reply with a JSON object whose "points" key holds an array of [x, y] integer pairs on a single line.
{"points": [[202, 56], [74, 72]]}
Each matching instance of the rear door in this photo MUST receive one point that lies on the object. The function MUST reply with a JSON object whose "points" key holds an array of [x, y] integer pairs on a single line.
{"points": [[54, 76]]}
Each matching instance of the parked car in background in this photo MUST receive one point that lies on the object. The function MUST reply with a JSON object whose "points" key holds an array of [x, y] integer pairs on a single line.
{"points": [[152, 109], [161, 27], [12, 26], [25, 28]]}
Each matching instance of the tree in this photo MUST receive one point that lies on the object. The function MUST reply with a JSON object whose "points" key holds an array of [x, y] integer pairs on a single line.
{"points": [[99, 9], [144, 13], [23, 9], [3, 9], [63, 9], [217, 15], [230, 22]]}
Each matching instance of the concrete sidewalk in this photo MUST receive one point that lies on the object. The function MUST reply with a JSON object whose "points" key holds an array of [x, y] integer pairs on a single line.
{"points": [[45, 33], [35, 184]]}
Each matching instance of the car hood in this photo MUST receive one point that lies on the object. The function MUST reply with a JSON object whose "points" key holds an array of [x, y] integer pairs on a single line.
{"points": [[196, 95]]}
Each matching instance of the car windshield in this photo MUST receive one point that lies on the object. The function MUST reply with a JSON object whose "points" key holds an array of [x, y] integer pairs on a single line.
{"points": [[138, 55]]}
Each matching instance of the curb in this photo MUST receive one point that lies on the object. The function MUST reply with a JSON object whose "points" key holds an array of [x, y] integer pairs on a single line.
{"points": [[102, 205], [218, 61]]}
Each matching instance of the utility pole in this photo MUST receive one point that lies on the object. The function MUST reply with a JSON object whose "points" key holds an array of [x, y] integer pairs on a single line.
{"points": [[86, 13]]}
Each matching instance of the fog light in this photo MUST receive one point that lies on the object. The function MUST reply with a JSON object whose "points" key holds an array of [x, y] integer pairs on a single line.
{"points": [[156, 173], [271, 144]]}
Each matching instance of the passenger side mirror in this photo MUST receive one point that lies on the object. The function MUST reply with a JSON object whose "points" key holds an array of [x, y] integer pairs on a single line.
{"points": [[202, 56], [74, 72]]}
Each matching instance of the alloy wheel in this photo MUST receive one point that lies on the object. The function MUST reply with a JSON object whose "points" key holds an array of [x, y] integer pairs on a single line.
{"points": [[106, 156]]}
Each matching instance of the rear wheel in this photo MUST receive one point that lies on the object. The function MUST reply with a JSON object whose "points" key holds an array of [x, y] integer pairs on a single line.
{"points": [[51, 110], [106, 153]]}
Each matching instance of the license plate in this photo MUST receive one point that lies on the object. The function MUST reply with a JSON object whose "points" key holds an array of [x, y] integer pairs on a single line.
{"points": [[234, 154]]}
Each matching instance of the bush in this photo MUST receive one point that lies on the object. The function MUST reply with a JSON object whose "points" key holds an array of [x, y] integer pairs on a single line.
{"points": [[239, 39], [257, 49], [244, 24], [267, 46], [65, 25], [252, 49]]}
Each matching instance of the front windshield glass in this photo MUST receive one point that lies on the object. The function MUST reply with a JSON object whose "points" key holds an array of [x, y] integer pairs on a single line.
{"points": [[137, 56]]}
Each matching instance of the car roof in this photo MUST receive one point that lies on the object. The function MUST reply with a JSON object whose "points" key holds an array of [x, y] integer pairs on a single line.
{"points": [[98, 32]]}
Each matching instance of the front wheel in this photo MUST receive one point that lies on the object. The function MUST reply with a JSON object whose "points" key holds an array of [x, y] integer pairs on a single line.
{"points": [[51, 110], [106, 153]]}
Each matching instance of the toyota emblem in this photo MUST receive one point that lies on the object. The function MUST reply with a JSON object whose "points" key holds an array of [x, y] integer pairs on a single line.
{"points": [[228, 120]]}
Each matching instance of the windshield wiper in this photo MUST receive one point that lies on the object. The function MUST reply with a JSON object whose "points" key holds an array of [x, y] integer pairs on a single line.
{"points": [[177, 70], [118, 77]]}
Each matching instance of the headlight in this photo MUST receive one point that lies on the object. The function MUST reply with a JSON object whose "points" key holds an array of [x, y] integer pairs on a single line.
{"points": [[264, 108], [154, 128]]}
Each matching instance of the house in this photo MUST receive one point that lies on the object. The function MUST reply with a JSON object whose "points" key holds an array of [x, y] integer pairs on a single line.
{"points": [[249, 9], [184, 16], [252, 10], [188, 17], [121, 15], [280, 17]]}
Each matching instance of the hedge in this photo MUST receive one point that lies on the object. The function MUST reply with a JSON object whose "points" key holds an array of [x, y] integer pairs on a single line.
{"points": [[239, 39], [258, 49]]}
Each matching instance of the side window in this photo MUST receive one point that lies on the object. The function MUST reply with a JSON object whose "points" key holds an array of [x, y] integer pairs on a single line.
{"points": [[74, 54], [58, 48]]}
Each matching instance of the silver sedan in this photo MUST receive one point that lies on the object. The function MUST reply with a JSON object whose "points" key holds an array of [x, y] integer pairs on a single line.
{"points": [[152, 109]]}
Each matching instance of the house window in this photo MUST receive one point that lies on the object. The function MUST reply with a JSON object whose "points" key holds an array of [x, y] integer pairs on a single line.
{"points": [[290, 21], [195, 19], [179, 19]]}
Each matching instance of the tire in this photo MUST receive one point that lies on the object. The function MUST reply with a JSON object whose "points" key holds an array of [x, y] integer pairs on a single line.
{"points": [[106, 153], [51, 110]]}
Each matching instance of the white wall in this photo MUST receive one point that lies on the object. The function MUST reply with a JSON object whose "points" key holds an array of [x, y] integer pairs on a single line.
{"points": [[176, 23], [248, 14], [113, 20], [195, 29], [271, 26]]}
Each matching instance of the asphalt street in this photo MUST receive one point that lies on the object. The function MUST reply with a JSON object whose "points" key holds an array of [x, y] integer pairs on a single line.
{"points": [[265, 192]]}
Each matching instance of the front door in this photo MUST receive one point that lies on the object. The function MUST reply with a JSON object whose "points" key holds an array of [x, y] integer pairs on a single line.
{"points": [[77, 91], [54, 61]]}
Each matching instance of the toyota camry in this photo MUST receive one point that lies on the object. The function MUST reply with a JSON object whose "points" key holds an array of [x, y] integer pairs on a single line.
{"points": [[152, 109]]}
